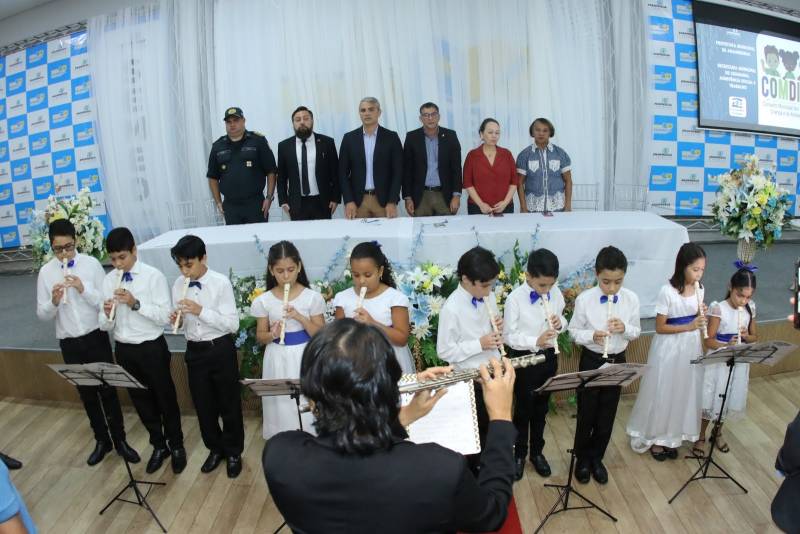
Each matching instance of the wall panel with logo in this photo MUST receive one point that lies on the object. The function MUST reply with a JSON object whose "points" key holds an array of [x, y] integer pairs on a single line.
{"points": [[47, 142], [685, 160]]}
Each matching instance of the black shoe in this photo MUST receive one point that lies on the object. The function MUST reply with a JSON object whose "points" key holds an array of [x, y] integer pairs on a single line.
{"points": [[100, 450], [519, 468], [211, 463], [540, 464], [582, 471], [10, 462], [128, 452], [178, 460], [156, 459], [672, 454], [599, 472], [234, 466]]}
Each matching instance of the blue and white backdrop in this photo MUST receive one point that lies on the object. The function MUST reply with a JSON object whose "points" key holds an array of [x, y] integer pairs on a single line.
{"points": [[47, 141]]}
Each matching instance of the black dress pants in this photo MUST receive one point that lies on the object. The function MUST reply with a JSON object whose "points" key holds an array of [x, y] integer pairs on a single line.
{"points": [[214, 385], [596, 410], [157, 405], [530, 408], [89, 348]]}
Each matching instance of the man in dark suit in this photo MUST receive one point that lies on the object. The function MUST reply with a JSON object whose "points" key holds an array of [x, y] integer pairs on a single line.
{"points": [[431, 167], [308, 171], [370, 166], [359, 474]]}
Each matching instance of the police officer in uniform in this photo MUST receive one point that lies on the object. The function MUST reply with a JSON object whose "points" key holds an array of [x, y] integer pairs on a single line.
{"points": [[239, 166]]}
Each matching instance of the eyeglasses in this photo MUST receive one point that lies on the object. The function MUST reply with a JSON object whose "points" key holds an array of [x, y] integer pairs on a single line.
{"points": [[64, 248], [429, 115]]}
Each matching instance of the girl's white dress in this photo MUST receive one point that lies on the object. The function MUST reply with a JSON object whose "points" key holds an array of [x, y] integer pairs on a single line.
{"points": [[283, 361], [716, 375], [380, 308], [668, 408]]}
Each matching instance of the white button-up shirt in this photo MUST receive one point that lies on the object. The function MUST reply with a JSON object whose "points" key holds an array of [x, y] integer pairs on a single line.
{"points": [[78, 316], [218, 317], [524, 322], [149, 287], [311, 160], [590, 316], [461, 325]]}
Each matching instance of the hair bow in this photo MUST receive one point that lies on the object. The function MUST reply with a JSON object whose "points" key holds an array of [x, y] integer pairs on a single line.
{"points": [[751, 267]]}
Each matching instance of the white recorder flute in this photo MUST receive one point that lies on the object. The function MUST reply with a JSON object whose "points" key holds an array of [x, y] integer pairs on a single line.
{"points": [[114, 305], [286, 289], [546, 303], [494, 325], [180, 311], [65, 266], [610, 303], [739, 324], [700, 307], [361, 294]]}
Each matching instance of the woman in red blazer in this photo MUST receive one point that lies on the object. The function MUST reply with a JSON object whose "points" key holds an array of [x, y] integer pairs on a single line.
{"points": [[490, 175]]}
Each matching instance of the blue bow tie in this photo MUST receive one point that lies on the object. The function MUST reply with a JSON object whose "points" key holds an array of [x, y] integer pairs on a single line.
{"points": [[70, 264], [127, 277], [536, 296], [604, 299], [475, 301], [196, 283]]}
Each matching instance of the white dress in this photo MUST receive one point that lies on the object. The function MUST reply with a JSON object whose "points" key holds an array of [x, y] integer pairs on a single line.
{"points": [[668, 408], [380, 308], [716, 375], [283, 361]]}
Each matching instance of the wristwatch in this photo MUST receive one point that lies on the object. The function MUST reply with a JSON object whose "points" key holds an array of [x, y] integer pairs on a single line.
{"points": [[136, 306]]}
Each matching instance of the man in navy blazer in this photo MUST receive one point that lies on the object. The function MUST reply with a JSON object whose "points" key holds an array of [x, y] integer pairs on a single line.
{"points": [[370, 166], [308, 171]]}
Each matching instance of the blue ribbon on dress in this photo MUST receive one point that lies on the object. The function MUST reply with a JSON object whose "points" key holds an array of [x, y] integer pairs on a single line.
{"points": [[725, 338], [294, 338], [681, 320]]}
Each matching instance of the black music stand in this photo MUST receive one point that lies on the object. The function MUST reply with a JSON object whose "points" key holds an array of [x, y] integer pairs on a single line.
{"points": [[276, 388], [611, 375], [768, 353], [105, 376]]}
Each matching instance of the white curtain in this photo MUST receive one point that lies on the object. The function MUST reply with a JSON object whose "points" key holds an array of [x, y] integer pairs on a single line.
{"points": [[150, 73], [514, 60]]}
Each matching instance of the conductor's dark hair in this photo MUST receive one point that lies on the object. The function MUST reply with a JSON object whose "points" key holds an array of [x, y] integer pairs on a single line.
{"points": [[485, 122], [372, 250], [542, 262], [611, 259], [350, 372], [189, 247], [302, 108], [428, 105], [282, 250], [61, 227], [687, 255], [120, 239], [478, 265], [546, 122]]}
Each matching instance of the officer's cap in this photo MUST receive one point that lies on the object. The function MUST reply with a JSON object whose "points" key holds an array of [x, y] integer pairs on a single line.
{"points": [[233, 112]]}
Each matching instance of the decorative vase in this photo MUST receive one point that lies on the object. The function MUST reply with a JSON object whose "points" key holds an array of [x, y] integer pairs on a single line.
{"points": [[746, 250]]}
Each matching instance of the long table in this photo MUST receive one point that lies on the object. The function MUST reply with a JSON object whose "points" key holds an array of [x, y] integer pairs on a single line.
{"points": [[650, 243]]}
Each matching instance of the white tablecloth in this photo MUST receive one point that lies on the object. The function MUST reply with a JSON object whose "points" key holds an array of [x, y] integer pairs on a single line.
{"points": [[650, 243]]}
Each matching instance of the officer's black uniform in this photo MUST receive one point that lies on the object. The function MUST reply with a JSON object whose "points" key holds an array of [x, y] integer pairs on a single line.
{"points": [[241, 168]]}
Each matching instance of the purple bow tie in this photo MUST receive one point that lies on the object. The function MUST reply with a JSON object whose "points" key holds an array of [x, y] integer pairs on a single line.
{"points": [[536, 296], [604, 299], [196, 283], [70, 264], [476, 300], [127, 277]]}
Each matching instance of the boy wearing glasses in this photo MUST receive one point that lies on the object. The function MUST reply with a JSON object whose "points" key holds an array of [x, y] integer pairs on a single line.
{"points": [[80, 278]]}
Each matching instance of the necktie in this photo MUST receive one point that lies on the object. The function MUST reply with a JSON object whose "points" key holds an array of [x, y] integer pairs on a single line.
{"points": [[604, 299], [195, 283], [536, 296], [475, 301], [127, 277], [304, 168]]}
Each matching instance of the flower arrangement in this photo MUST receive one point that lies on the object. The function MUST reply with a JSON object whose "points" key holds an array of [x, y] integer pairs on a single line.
{"points": [[78, 210], [750, 207], [245, 290]]}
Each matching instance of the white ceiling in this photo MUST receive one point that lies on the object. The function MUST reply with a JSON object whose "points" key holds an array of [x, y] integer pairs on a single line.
{"points": [[9, 8]]}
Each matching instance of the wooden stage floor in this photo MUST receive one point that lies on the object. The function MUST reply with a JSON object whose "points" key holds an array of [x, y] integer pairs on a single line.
{"points": [[65, 495]]}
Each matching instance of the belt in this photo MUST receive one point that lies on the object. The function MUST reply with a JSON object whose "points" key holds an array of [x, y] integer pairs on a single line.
{"points": [[686, 319], [206, 345], [437, 188], [370, 192], [294, 338]]}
